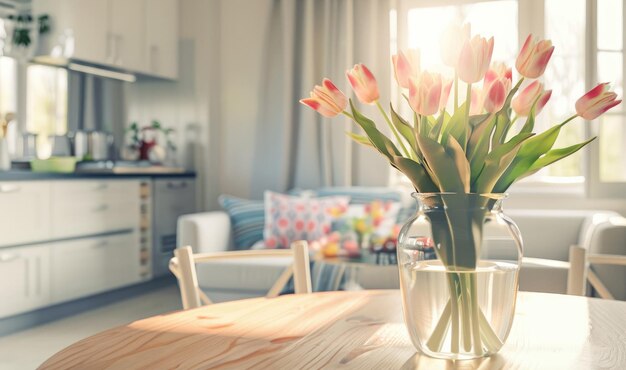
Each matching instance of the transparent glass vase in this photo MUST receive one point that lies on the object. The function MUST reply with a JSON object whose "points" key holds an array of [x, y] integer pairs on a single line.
{"points": [[459, 259]]}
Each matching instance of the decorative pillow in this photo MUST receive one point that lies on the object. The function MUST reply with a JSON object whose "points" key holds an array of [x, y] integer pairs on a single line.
{"points": [[289, 218], [357, 194], [376, 218], [247, 218]]}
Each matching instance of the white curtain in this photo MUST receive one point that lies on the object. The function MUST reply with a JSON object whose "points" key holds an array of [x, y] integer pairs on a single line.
{"points": [[308, 40]]}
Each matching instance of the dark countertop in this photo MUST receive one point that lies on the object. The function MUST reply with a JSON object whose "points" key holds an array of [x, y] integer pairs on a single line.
{"points": [[24, 175]]}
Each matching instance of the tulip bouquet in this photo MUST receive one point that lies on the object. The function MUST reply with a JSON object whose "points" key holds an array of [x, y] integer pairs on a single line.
{"points": [[463, 148]]}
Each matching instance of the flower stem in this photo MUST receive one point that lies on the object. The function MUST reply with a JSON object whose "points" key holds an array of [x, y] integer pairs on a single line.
{"points": [[347, 114], [569, 119], [456, 90], [393, 129]]}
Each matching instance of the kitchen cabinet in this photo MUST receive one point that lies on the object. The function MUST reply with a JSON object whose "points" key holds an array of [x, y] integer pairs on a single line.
{"points": [[139, 36], [88, 266], [25, 215], [162, 38], [87, 207], [127, 19], [24, 279]]}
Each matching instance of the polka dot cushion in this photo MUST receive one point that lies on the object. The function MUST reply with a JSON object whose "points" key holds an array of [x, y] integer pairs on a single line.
{"points": [[289, 218]]}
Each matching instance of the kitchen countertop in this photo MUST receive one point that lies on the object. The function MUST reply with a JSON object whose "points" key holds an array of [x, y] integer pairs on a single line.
{"points": [[24, 175]]}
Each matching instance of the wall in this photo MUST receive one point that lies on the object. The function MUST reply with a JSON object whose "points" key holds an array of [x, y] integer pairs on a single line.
{"points": [[185, 104]]}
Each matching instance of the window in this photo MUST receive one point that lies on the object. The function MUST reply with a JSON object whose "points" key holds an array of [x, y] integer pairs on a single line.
{"points": [[46, 100], [609, 67], [589, 49], [8, 90]]}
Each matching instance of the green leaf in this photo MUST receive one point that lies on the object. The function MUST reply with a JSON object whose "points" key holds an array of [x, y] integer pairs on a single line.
{"points": [[530, 151], [435, 132], [454, 150], [502, 126], [377, 138], [479, 151], [497, 161], [555, 155], [529, 125], [363, 140], [442, 166], [416, 173], [457, 127], [404, 129], [479, 130]]}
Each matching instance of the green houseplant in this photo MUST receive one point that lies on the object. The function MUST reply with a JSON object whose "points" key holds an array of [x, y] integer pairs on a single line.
{"points": [[460, 162]]}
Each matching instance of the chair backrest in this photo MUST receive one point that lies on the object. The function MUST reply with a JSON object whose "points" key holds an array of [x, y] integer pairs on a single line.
{"points": [[183, 266], [580, 271]]}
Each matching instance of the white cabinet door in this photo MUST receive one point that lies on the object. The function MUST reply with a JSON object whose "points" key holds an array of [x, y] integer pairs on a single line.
{"points": [[87, 21], [128, 32], [24, 279], [88, 266], [88, 207], [25, 212], [162, 37]]}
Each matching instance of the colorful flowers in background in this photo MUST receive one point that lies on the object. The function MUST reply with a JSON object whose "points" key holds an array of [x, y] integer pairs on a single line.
{"points": [[475, 147]]}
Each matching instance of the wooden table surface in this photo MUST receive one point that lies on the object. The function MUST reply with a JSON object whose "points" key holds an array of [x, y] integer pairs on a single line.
{"points": [[361, 330]]}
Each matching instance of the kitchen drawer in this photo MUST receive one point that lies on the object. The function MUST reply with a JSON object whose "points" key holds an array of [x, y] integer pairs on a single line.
{"points": [[25, 212], [95, 189], [24, 279], [92, 207], [88, 266]]}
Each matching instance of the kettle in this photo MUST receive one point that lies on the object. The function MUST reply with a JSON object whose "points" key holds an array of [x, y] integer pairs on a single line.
{"points": [[92, 145]]}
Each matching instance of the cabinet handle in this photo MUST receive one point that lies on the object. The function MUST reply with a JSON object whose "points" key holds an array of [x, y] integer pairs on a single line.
{"points": [[8, 257], [5, 188], [100, 244], [173, 185], [101, 208]]}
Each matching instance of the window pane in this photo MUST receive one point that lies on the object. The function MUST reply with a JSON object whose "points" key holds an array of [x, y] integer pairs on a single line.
{"points": [[8, 90], [565, 76], [490, 18], [612, 140], [610, 70], [46, 100], [610, 24]]}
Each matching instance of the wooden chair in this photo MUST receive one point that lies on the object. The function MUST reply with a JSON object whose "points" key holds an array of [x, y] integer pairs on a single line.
{"points": [[183, 266], [580, 272]]}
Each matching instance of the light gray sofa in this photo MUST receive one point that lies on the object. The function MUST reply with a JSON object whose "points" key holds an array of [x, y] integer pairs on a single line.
{"points": [[547, 235]]}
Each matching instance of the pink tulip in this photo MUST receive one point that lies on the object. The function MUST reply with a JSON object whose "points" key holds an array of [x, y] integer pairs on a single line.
{"points": [[476, 102], [497, 70], [596, 101], [445, 94], [363, 83], [523, 102], [496, 86], [534, 57], [327, 99], [475, 59], [425, 93], [495, 96], [452, 41], [405, 65]]}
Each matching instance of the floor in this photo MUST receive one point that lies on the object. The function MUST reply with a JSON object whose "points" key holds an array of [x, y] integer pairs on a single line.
{"points": [[28, 349]]}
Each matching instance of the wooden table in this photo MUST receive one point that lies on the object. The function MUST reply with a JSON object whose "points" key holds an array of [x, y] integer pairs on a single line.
{"points": [[362, 329]]}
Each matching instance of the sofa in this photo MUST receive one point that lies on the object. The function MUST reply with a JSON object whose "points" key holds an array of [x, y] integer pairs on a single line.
{"points": [[547, 234]]}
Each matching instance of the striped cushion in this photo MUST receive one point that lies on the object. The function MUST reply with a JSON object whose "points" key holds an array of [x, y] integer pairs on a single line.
{"points": [[247, 218]]}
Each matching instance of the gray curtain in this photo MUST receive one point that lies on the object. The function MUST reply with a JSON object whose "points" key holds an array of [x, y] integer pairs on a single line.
{"points": [[308, 40]]}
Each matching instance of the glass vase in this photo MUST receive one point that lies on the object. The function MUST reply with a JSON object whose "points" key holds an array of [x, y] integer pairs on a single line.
{"points": [[459, 259]]}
